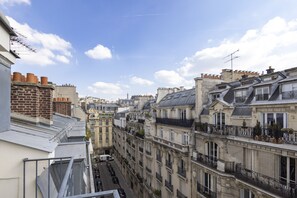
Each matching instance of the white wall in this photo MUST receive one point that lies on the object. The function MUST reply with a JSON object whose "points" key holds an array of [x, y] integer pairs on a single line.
{"points": [[11, 171]]}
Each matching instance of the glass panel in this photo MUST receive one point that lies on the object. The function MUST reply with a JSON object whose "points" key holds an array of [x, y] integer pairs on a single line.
{"points": [[292, 171], [270, 118], [280, 119], [283, 169]]}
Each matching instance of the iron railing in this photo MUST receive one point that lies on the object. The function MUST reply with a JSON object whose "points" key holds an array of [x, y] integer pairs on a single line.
{"points": [[206, 160], [266, 183], [175, 122]]}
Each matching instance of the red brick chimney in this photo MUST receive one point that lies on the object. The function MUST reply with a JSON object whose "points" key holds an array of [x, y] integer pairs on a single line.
{"points": [[62, 106], [30, 100]]}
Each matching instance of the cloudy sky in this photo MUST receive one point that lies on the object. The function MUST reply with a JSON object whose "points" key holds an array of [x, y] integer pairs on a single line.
{"points": [[109, 48]]}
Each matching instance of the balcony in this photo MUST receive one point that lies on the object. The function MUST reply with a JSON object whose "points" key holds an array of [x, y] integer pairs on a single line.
{"points": [[133, 146], [264, 182], [181, 147], [205, 160], [168, 164], [179, 194], [148, 169], [140, 135], [168, 185], [158, 157], [175, 122], [159, 177], [205, 191], [140, 149], [182, 172]]}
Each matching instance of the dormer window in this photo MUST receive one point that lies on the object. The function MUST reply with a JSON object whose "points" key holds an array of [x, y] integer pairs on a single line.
{"points": [[240, 96], [215, 96], [289, 91], [183, 114], [262, 93]]}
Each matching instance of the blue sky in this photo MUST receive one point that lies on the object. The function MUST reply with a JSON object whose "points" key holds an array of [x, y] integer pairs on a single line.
{"points": [[109, 48]]}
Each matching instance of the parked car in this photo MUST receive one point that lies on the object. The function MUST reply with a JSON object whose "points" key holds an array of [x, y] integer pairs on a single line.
{"points": [[115, 180], [112, 173], [104, 158], [122, 193]]}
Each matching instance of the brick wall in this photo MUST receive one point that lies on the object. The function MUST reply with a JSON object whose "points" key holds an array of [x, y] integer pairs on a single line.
{"points": [[62, 106], [31, 100]]}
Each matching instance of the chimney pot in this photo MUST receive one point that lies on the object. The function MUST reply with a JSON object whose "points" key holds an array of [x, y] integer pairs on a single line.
{"points": [[30, 78], [44, 80], [17, 77]]}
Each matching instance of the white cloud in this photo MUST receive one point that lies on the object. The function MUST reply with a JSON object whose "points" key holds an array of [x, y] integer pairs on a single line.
{"points": [[273, 44], [99, 52], [14, 2], [50, 48], [62, 59], [106, 88], [172, 78], [140, 81]]}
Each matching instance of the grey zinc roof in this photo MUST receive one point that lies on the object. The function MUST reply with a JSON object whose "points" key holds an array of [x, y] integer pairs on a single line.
{"points": [[42, 137], [29, 140], [242, 111], [205, 111], [148, 104], [182, 98]]}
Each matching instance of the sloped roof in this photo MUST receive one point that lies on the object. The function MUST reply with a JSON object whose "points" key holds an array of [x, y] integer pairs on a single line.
{"points": [[242, 111], [181, 98]]}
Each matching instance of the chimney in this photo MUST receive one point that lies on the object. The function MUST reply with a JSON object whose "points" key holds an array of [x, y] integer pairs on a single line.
{"points": [[270, 70], [62, 106], [31, 101], [244, 76]]}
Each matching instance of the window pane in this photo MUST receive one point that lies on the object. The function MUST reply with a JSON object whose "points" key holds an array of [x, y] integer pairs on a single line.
{"points": [[280, 119]]}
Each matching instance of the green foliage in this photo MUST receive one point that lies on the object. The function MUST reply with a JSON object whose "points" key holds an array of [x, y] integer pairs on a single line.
{"points": [[88, 134]]}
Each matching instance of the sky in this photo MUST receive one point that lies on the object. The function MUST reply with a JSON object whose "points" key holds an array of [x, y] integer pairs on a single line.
{"points": [[108, 48]]}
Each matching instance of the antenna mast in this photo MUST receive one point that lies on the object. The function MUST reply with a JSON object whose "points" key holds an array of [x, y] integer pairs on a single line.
{"points": [[231, 60]]}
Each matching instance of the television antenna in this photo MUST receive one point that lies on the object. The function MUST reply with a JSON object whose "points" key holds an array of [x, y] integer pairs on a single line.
{"points": [[18, 43], [231, 58]]}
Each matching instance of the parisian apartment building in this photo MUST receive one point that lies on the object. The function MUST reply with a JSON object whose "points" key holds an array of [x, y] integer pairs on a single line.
{"points": [[232, 135]]}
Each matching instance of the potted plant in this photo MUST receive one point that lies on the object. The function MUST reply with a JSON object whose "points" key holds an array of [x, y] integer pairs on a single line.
{"points": [[257, 131]]}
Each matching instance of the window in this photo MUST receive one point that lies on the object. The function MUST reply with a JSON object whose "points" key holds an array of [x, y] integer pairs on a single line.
{"points": [[100, 129], [107, 129], [100, 138], [107, 122], [246, 193], [107, 138], [182, 114], [240, 96], [211, 150], [100, 122], [207, 183], [171, 135], [289, 91], [161, 133], [219, 120], [215, 96], [185, 139], [271, 118], [262, 93], [287, 170], [165, 113], [169, 177]]}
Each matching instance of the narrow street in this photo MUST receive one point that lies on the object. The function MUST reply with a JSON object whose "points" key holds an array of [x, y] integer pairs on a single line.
{"points": [[106, 178]]}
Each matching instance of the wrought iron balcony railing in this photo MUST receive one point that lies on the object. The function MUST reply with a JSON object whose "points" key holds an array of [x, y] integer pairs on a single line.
{"points": [[175, 122], [179, 194], [169, 185], [206, 191], [266, 183], [206, 160]]}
